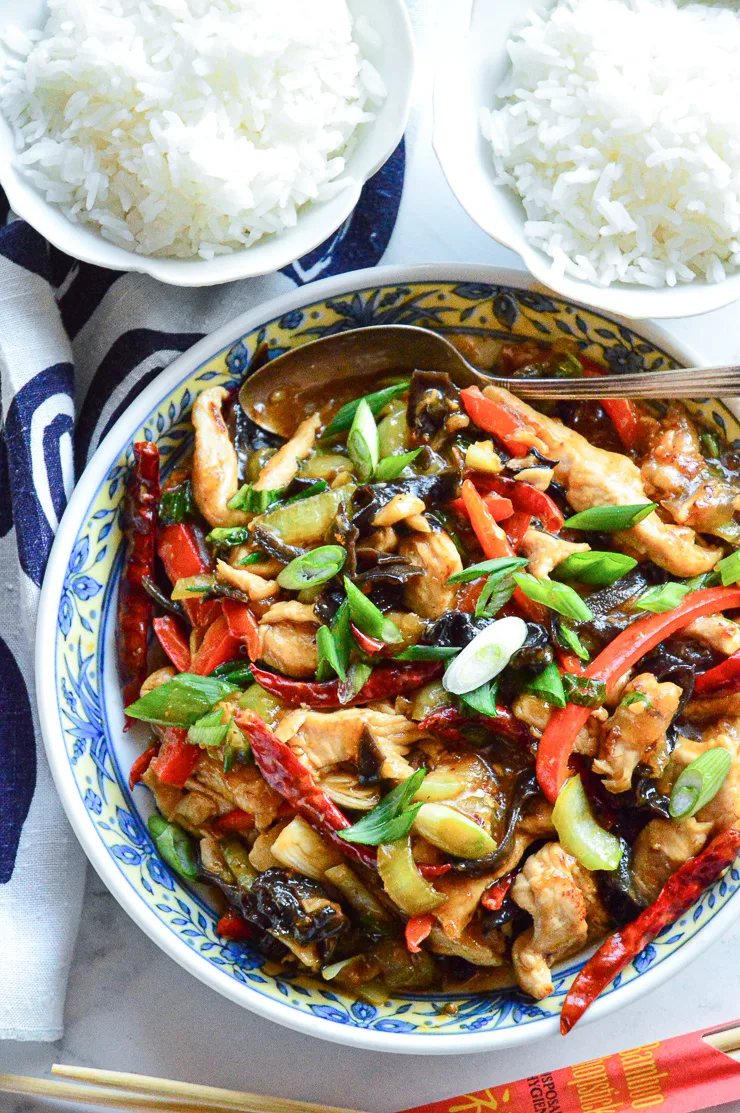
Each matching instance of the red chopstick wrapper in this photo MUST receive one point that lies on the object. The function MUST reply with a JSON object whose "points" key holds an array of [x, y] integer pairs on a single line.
{"points": [[679, 1075]]}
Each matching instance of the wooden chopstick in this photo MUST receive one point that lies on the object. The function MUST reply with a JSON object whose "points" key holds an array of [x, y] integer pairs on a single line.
{"points": [[117, 1090], [727, 1040]]}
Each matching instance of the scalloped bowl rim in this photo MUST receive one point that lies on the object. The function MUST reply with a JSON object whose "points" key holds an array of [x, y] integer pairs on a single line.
{"points": [[317, 221], [467, 164], [107, 453]]}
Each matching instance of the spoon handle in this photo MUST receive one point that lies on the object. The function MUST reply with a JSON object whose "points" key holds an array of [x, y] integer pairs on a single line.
{"points": [[689, 382]]}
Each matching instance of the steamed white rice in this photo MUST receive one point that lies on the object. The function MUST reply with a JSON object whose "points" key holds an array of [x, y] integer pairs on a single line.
{"points": [[188, 127], [619, 128]]}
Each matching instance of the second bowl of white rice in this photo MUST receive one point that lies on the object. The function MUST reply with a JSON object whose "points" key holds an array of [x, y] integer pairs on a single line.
{"points": [[599, 139], [197, 141]]}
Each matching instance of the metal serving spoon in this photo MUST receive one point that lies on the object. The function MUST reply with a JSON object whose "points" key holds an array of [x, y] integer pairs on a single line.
{"points": [[349, 363]]}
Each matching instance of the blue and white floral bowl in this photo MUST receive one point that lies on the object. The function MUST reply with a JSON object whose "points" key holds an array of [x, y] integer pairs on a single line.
{"points": [[80, 701]]}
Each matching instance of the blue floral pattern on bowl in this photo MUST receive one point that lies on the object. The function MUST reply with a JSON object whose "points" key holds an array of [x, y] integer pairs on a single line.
{"points": [[88, 703]]}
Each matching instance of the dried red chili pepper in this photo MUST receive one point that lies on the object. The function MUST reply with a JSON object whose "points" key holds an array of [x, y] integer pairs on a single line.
{"points": [[183, 553], [430, 872], [234, 822], [135, 607], [524, 497], [373, 647], [293, 781], [174, 641], [385, 682], [417, 930], [218, 646], [556, 744], [496, 894], [140, 766], [232, 926], [448, 722], [243, 625], [676, 898]]}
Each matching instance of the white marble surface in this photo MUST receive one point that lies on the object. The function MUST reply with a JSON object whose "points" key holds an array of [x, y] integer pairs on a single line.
{"points": [[131, 1008]]}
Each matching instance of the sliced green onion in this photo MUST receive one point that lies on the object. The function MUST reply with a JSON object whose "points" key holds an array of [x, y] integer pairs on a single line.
{"points": [[315, 489], [251, 501], [486, 567], [428, 653], [375, 402], [358, 675], [597, 569], [584, 691], [635, 697], [710, 446], [548, 685], [566, 635], [343, 640], [330, 660], [497, 591], [368, 618], [210, 730], [392, 466], [578, 831], [329, 973], [181, 701], [483, 699], [700, 782], [391, 819], [229, 759], [190, 586], [175, 846], [313, 568], [570, 367], [607, 519], [362, 442], [237, 672], [729, 569], [486, 656], [176, 505], [558, 597], [226, 538], [250, 558], [706, 579], [662, 598]]}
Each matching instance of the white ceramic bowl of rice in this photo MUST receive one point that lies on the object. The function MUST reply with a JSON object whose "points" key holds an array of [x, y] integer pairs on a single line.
{"points": [[617, 168], [198, 141]]}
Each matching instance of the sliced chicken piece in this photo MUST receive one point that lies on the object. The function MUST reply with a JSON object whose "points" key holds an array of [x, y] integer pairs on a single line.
{"points": [[724, 809], [215, 466], [323, 740], [536, 824], [661, 848], [401, 507], [535, 713], [290, 648], [594, 477], [156, 679], [706, 710], [429, 595], [463, 897], [717, 632], [260, 855], [282, 468], [548, 890], [243, 787], [545, 551], [384, 540], [243, 579], [290, 610], [636, 727], [677, 475]]}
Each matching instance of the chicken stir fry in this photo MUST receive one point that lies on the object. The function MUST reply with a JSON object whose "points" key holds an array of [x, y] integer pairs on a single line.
{"points": [[444, 687]]}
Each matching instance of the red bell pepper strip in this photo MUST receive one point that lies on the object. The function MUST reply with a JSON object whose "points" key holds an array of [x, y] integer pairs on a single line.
{"points": [[183, 553], [284, 772], [430, 872], [568, 662], [417, 930], [469, 594], [174, 641], [724, 677], [448, 722], [135, 607], [524, 496], [623, 413], [499, 508], [556, 744], [232, 926], [515, 527], [496, 418], [218, 646], [243, 625], [675, 899], [384, 683], [140, 766], [491, 537], [496, 894], [234, 822], [176, 759]]}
